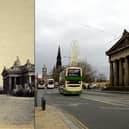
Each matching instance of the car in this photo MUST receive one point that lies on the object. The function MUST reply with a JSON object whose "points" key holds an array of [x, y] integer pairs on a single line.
{"points": [[93, 86], [41, 86], [50, 84], [56, 84], [84, 86]]}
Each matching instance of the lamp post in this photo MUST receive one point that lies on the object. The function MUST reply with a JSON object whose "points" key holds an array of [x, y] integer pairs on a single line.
{"points": [[36, 85]]}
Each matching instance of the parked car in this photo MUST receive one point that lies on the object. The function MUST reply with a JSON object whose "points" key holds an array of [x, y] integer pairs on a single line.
{"points": [[93, 86], [84, 86]]}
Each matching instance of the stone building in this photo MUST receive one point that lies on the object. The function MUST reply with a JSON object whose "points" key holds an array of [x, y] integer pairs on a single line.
{"points": [[18, 76], [44, 71], [119, 61]]}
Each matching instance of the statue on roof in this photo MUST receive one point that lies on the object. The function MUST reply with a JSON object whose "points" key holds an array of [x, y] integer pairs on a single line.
{"points": [[4, 67], [125, 32], [17, 62], [28, 62]]}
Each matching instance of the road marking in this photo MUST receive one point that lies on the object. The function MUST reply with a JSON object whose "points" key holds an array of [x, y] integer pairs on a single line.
{"points": [[115, 108], [103, 101], [75, 121], [71, 104], [76, 104]]}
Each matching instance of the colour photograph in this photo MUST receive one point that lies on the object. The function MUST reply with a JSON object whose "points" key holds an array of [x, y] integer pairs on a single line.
{"points": [[82, 64]]}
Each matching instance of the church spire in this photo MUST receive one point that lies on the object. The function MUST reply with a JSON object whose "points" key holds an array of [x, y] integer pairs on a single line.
{"points": [[58, 59]]}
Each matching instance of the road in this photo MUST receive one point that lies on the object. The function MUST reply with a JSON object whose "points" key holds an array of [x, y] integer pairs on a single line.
{"points": [[96, 110]]}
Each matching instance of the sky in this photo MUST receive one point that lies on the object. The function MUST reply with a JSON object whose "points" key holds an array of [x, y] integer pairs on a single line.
{"points": [[16, 32], [96, 25]]}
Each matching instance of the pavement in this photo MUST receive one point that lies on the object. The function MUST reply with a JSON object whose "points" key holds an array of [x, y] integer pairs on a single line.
{"points": [[16, 127], [53, 118], [16, 112]]}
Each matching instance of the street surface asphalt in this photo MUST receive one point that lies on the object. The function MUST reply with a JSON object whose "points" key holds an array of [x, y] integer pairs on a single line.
{"points": [[96, 110]]}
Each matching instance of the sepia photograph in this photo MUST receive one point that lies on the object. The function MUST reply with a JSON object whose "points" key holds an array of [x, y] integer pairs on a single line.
{"points": [[17, 69], [81, 64]]}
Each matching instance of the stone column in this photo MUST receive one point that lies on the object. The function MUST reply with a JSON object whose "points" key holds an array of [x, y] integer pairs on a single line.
{"points": [[121, 83], [115, 73], [20, 80], [29, 79], [10, 84], [111, 74], [126, 71], [14, 82]]}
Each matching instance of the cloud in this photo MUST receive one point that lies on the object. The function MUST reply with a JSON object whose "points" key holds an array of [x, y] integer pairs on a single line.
{"points": [[96, 25]]}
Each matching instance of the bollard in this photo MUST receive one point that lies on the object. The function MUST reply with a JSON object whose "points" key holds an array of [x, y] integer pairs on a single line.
{"points": [[43, 103]]}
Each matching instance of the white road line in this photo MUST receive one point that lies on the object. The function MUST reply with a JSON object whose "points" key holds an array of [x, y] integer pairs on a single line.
{"points": [[114, 108], [78, 123], [104, 100]]}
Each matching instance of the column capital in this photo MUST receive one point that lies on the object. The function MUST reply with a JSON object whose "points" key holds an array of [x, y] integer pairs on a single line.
{"points": [[126, 57], [111, 61]]}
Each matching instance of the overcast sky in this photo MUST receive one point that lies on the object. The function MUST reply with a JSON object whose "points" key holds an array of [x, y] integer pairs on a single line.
{"points": [[95, 24]]}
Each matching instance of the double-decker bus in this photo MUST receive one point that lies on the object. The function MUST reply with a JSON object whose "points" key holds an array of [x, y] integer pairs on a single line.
{"points": [[70, 81]]}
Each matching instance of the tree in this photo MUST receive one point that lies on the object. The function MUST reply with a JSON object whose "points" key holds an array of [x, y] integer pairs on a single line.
{"points": [[56, 72], [87, 71], [101, 77]]}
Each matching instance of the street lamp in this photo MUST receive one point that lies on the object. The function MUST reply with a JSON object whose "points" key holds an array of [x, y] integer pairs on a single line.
{"points": [[36, 85]]}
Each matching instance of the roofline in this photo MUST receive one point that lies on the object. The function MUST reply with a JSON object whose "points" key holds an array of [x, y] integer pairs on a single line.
{"points": [[124, 36], [108, 53]]}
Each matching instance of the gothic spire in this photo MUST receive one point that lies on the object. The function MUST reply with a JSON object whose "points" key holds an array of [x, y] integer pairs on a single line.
{"points": [[58, 59]]}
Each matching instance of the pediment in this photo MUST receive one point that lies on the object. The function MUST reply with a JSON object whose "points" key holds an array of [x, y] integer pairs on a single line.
{"points": [[122, 43]]}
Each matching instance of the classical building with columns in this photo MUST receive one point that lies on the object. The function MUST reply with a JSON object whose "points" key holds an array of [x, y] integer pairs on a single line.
{"points": [[18, 76], [119, 61]]}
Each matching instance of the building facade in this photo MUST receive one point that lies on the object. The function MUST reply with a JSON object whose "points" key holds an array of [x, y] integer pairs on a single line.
{"points": [[18, 76], [119, 61]]}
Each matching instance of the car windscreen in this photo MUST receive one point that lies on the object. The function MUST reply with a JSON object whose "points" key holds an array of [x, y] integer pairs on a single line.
{"points": [[41, 82], [50, 82]]}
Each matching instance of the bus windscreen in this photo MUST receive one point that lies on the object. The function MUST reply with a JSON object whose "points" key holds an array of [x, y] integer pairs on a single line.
{"points": [[74, 72]]}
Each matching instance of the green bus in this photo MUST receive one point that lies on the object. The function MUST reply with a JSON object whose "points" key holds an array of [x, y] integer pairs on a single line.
{"points": [[70, 81]]}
